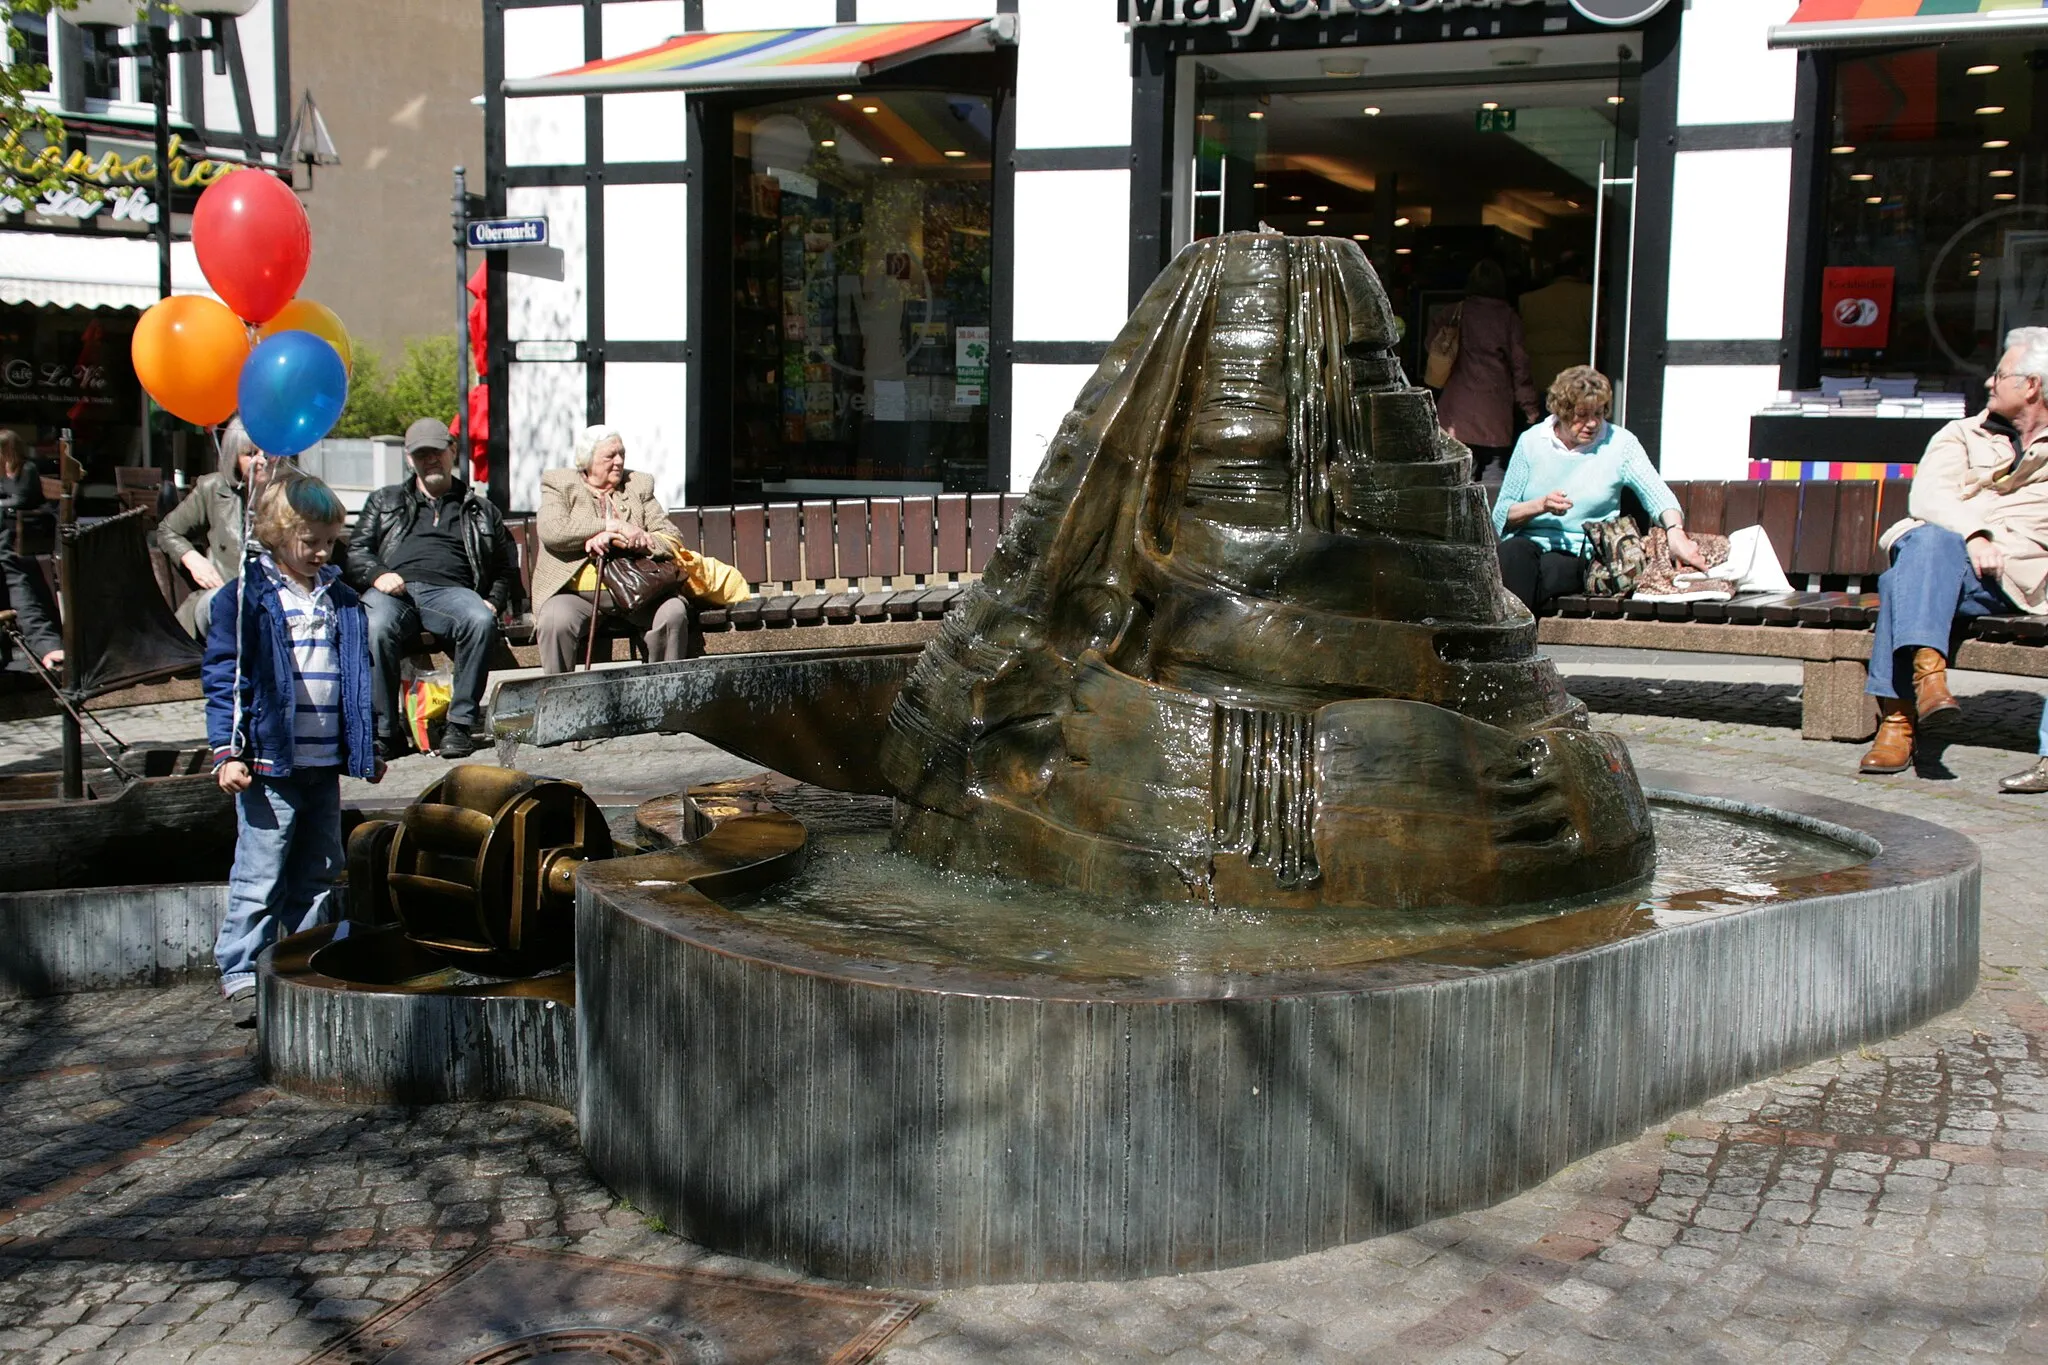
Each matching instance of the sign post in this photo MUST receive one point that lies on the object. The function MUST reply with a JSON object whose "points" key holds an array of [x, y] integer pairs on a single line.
{"points": [[502, 234], [460, 214]]}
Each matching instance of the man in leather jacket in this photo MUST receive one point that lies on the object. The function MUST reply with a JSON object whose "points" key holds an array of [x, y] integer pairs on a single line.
{"points": [[426, 556]]}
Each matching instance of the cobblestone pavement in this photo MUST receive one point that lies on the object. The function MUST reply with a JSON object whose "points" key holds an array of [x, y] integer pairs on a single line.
{"points": [[158, 1204]]}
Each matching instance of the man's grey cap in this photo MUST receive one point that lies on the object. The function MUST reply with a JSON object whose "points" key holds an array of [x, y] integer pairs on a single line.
{"points": [[429, 433]]}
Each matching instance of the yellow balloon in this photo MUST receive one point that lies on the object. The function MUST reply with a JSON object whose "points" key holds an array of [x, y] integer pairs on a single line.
{"points": [[304, 315]]}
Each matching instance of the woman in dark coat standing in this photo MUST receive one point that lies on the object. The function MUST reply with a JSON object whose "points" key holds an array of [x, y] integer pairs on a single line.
{"points": [[1491, 378], [22, 585]]}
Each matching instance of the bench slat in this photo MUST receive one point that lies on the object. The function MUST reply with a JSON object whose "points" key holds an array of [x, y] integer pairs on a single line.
{"points": [[850, 536], [819, 551], [984, 526], [750, 542], [1011, 502], [952, 556], [839, 607], [785, 542], [684, 519], [885, 539], [1891, 508], [1855, 527], [917, 534], [810, 608], [718, 534], [1779, 516], [1813, 539], [1743, 505]]}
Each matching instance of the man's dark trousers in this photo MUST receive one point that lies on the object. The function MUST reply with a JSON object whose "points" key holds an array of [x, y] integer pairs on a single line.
{"points": [[1930, 584], [463, 620]]}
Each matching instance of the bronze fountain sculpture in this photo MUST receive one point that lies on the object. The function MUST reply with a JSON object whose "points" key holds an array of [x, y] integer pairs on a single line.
{"points": [[1338, 916], [1246, 640]]}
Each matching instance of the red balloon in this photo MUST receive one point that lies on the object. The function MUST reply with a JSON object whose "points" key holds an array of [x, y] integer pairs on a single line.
{"points": [[253, 242]]}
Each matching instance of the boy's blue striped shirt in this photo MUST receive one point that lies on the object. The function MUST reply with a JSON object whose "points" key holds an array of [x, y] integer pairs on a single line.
{"points": [[311, 625]]}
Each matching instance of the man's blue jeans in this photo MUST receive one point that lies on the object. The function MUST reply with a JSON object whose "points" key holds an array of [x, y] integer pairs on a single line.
{"points": [[288, 857], [1930, 584], [466, 622]]}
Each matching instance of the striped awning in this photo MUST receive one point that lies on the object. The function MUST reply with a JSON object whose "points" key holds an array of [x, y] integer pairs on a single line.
{"points": [[833, 55], [1871, 23]]}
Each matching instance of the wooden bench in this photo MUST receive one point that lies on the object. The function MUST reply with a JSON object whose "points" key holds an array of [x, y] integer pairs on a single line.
{"points": [[1825, 535]]}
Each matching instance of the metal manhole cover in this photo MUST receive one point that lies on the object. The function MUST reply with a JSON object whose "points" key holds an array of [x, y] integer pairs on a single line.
{"points": [[603, 1343], [510, 1306]]}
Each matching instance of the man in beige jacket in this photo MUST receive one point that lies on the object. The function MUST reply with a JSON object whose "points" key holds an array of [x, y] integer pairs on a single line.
{"points": [[1975, 544]]}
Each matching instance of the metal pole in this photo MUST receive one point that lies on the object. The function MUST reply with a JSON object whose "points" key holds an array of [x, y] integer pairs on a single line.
{"points": [[73, 788], [460, 215], [159, 57]]}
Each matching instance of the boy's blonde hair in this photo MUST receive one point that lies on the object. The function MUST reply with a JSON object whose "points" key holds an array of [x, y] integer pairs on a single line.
{"points": [[293, 499]]}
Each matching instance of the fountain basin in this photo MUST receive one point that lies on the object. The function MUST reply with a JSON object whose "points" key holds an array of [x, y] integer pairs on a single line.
{"points": [[945, 1117]]}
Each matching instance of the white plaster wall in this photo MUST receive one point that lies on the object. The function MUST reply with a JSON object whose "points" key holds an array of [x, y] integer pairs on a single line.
{"points": [[738, 15], [1073, 74], [647, 127], [258, 32], [545, 406], [1729, 218], [646, 262], [1706, 418], [1726, 73], [1040, 398], [542, 309], [648, 403], [540, 42], [905, 11], [1069, 289]]}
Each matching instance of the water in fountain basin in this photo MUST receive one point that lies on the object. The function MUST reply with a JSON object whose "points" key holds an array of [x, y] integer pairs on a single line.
{"points": [[858, 898]]}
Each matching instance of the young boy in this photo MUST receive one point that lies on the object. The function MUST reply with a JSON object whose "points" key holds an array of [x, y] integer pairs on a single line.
{"points": [[288, 710]]}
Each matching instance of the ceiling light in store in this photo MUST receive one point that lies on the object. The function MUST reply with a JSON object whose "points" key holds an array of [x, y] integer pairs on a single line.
{"points": [[1361, 236], [827, 142], [1256, 113], [1999, 174], [1322, 208], [1490, 104], [871, 108], [1984, 70], [1614, 99], [1996, 143], [1863, 175], [1400, 222], [1404, 251], [1316, 222], [888, 161], [1371, 111], [2005, 196], [1992, 109], [1294, 199], [1875, 199], [1258, 184], [1842, 150], [846, 99], [954, 151], [1571, 203], [1346, 68]]}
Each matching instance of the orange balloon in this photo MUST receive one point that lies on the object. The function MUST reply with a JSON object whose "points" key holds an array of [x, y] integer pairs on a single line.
{"points": [[304, 315], [188, 353]]}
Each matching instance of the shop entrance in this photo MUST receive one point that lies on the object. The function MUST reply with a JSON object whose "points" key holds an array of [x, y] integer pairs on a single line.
{"points": [[1435, 158]]}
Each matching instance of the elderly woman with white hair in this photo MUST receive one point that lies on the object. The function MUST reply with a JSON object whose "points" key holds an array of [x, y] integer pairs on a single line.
{"points": [[203, 534], [585, 511]]}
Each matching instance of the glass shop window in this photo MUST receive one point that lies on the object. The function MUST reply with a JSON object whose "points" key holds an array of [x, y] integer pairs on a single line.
{"points": [[1936, 221], [101, 65], [861, 270], [30, 44]]}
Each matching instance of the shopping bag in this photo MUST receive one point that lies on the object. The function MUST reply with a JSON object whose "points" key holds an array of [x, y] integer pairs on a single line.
{"points": [[423, 705]]}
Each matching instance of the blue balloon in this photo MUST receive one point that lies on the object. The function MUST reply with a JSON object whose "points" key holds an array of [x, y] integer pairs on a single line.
{"points": [[292, 391]]}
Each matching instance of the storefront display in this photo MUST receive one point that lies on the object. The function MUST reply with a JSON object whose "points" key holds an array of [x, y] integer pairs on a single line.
{"points": [[861, 278]]}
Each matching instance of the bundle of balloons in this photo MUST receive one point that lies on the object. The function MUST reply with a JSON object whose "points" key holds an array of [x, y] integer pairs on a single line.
{"points": [[282, 361]]}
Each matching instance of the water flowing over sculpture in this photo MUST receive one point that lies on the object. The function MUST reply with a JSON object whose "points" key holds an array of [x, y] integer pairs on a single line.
{"points": [[1246, 642]]}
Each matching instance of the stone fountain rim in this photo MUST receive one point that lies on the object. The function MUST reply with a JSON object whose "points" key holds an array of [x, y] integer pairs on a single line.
{"points": [[1903, 851]]}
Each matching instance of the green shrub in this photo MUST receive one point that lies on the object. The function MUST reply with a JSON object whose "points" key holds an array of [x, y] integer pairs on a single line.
{"points": [[422, 384]]}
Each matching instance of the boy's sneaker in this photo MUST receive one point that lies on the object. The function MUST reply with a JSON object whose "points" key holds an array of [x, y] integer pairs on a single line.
{"points": [[240, 995], [457, 742]]}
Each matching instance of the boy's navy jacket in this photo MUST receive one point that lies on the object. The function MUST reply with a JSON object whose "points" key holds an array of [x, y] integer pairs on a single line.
{"points": [[268, 697]]}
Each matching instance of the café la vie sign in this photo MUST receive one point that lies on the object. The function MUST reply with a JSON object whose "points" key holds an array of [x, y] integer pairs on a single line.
{"points": [[1241, 16], [90, 182]]}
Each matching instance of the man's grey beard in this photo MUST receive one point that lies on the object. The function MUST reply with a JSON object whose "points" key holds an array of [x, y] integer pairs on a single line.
{"points": [[437, 483]]}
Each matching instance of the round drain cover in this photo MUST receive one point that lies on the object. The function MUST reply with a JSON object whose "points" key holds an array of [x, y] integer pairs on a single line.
{"points": [[584, 1343]]}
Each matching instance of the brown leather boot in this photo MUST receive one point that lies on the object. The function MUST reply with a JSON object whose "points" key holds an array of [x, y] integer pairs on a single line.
{"points": [[1892, 751], [1937, 705]]}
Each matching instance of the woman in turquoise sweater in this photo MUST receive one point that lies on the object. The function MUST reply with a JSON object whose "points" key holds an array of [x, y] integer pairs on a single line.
{"points": [[1581, 461]]}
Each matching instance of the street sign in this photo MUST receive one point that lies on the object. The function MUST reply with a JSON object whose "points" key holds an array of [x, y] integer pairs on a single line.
{"points": [[496, 234], [1494, 120]]}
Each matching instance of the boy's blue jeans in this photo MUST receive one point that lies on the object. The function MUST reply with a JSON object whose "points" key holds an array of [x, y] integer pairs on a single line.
{"points": [[288, 856]]}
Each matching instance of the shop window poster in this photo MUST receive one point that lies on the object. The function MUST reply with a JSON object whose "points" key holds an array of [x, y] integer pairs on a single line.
{"points": [[1856, 307]]}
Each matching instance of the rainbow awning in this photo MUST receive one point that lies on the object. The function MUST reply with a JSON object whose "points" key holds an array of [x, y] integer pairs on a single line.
{"points": [[1888, 23], [833, 55]]}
